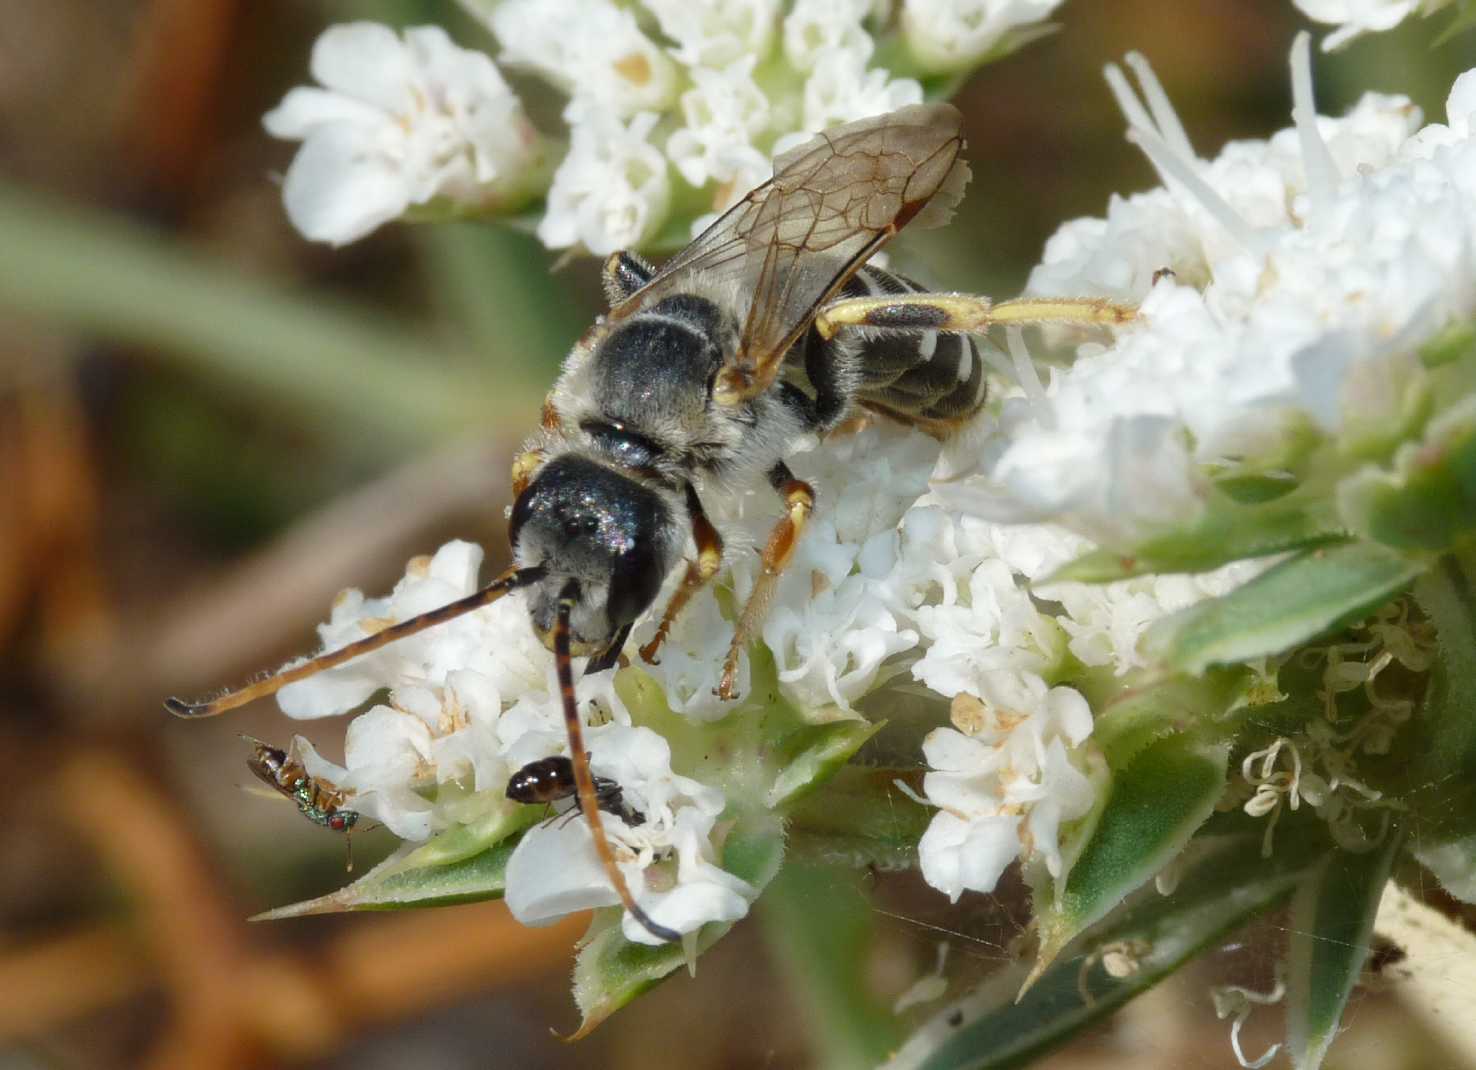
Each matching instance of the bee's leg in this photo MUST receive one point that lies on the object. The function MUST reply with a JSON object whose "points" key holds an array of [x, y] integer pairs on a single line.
{"points": [[699, 572], [799, 501], [964, 313], [623, 274]]}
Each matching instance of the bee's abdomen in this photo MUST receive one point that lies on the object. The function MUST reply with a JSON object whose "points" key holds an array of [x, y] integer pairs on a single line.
{"points": [[917, 377]]}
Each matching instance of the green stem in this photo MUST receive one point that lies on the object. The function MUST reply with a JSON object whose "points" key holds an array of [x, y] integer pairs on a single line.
{"points": [[372, 380], [817, 921]]}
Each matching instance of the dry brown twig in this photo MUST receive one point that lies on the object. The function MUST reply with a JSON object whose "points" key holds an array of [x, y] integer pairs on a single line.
{"points": [[244, 619], [234, 992]]}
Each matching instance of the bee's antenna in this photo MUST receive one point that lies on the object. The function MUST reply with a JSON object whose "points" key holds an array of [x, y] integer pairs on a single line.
{"points": [[583, 778], [510, 580]]}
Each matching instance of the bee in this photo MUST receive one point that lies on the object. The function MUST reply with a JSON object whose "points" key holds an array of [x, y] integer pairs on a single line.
{"points": [[550, 780], [317, 800], [768, 329]]}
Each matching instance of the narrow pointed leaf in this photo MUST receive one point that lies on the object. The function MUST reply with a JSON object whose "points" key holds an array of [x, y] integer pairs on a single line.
{"points": [[1228, 532], [1332, 919], [392, 885], [1225, 884], [1442, 778], [1311, 594], [1155, 805], [1143, 713], [460, 842], [811, 755]]}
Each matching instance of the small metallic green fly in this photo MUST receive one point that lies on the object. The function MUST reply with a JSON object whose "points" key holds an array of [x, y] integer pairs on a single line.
{"points": [[317, 800]]}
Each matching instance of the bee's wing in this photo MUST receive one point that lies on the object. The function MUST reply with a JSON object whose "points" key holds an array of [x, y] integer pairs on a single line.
{"points": [[794, 241]]}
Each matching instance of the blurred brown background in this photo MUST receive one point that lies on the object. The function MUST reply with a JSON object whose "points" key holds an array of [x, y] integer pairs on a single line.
{"points": [[209, 427]]}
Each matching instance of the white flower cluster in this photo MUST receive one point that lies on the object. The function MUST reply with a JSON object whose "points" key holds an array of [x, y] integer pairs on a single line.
{"points": [[473, 701], [890, 591], [730, 85], [1303, 271], [670, 103], [1354, 18], [400, 121], [949, 34]]}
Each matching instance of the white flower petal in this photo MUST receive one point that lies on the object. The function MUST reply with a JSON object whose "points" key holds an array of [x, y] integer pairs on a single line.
{"points": [[957, 856], [554, 871], [340, 187], [365, 61], [591, 49], [400, 121], [1286, 319], [956, 34]]}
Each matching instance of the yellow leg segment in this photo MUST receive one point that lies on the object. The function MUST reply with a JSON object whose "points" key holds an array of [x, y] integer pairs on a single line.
{"points": [[965, 313], [699, 572], [799, 499]]}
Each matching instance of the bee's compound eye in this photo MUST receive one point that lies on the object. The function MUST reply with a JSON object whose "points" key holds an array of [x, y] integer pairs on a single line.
{"points": [[338, 823]]}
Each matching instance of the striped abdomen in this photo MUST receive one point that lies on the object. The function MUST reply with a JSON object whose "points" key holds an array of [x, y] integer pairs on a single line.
{"points": [[918, 377]]}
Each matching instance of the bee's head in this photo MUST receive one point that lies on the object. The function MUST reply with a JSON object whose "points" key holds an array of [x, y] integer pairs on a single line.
{"points": [[598, 534]]}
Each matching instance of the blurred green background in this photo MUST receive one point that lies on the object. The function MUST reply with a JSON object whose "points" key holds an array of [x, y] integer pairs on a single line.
{"points": [[208, 427]]}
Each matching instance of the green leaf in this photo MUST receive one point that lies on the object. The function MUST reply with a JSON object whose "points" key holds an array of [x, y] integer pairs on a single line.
{"points": [[461, 864], [1313, 593], [1156, 803], [611, 970], [1227, 532], [1428, 500], [811, 754], [467, 840], [860, 818], [1225, 884], [818, 920], [1148, 710], [1443, 775], [394, 884], [765, 753], [1332, 918]]}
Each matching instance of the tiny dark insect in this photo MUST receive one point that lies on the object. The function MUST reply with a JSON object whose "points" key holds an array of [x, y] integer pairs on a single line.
{"points": [[550, 780], [769, 329], [317, 800]]}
